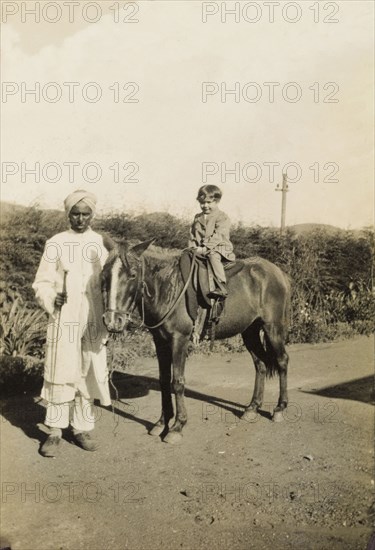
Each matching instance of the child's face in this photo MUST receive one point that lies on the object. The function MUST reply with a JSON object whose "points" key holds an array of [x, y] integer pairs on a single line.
{"points": [[208, 205]]}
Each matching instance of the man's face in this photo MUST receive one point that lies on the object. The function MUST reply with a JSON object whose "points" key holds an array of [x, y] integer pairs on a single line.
{"points": [[80, 217], [208, 205]]}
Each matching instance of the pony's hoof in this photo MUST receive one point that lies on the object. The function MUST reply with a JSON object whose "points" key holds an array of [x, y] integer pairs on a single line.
{"points": [[174, 438], [277, 416], [250, 415], [156, 430]]}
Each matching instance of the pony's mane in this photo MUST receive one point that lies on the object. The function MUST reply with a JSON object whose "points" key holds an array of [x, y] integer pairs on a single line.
{"points": [[162, 262]]}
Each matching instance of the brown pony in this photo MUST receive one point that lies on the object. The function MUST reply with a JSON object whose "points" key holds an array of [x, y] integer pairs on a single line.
{"points": [[258, 301]]}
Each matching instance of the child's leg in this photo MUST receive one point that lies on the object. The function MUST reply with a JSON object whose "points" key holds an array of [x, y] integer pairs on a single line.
{"points": [[215, 260]]}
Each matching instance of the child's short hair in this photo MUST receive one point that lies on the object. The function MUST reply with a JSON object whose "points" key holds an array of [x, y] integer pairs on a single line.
{"points": [[209, 192]]}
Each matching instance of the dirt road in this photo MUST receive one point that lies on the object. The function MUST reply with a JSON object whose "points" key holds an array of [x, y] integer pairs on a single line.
{"points": [[304, 483]]}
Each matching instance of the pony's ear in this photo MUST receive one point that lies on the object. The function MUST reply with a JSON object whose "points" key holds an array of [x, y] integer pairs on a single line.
{"points": [[140, 248]]}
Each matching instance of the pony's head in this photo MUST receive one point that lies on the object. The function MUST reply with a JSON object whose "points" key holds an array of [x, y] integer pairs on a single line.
{"points": [[121, 285]]}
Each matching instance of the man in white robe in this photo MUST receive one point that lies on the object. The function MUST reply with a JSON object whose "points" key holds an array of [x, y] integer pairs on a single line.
{"points": [[76, 364]]}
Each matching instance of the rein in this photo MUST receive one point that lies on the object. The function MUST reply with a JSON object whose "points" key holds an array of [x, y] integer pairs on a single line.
{"points": [[144, 290], [169, 313]]}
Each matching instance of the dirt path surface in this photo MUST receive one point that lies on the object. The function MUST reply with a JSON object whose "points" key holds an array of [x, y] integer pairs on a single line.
{"points": [[304, 483]]}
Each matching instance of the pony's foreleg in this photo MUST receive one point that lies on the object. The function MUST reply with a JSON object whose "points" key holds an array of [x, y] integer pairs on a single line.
{"points": [[179, 352], [164, 354]]}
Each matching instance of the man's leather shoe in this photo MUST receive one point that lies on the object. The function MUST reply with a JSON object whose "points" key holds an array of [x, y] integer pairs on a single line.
{"points": [[86, 441], [51, 446]]}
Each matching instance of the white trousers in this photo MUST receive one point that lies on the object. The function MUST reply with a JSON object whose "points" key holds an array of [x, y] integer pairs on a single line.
{"points": [[82, 418]]}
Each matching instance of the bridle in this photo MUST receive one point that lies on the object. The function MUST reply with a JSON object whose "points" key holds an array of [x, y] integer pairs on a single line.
{"points": [[144, 290]]}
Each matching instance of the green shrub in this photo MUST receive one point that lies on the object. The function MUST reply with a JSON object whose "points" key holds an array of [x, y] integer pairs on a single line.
{"points": [[330, 270], [20, 374], [22, 331], [125, 349], [23, 234]]}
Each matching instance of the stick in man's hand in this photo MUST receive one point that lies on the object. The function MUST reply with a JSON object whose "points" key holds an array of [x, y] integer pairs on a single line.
{"points": [[62, 297]]}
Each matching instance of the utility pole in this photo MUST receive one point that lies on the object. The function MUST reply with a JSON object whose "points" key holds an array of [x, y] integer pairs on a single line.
{"points": [[284, 190]]}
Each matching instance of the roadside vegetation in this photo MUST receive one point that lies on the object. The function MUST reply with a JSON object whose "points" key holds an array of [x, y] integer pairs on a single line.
{"points": [[331, 272]]}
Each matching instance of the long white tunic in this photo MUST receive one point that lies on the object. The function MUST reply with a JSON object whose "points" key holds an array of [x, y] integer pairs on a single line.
{"points": [[75, 351]]}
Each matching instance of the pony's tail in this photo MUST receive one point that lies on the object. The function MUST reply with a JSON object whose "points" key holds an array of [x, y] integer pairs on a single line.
{"points": [[263, 348], [272, 366]]}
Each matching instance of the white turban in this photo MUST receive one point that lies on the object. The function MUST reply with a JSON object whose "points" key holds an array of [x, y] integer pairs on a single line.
{"points": [[80, 195]]}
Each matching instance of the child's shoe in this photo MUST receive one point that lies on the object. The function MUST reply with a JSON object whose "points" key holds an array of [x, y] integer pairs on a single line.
{"points": [[219, 292]]}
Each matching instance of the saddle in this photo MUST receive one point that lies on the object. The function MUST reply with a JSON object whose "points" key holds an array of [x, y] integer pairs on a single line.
{"points": [[204, 311]]}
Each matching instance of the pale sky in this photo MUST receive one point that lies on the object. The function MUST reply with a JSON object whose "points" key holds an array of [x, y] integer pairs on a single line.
{"points": [[170, 132]]}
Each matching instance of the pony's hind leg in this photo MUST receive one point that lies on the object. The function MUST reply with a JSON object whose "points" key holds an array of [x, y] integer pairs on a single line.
{"points": [[253, 344], [164, 354], [274, 334]]}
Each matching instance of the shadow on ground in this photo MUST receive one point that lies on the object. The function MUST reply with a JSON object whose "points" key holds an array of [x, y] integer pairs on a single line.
{"points": [[129, 385], [25, 411], [361, 389]]}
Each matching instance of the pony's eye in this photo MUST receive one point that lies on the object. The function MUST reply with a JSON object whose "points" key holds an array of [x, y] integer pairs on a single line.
{"points": [[132, 275]]}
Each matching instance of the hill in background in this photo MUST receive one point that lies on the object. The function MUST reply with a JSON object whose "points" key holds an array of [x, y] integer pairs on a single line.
{"points": [[7, 210]]}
